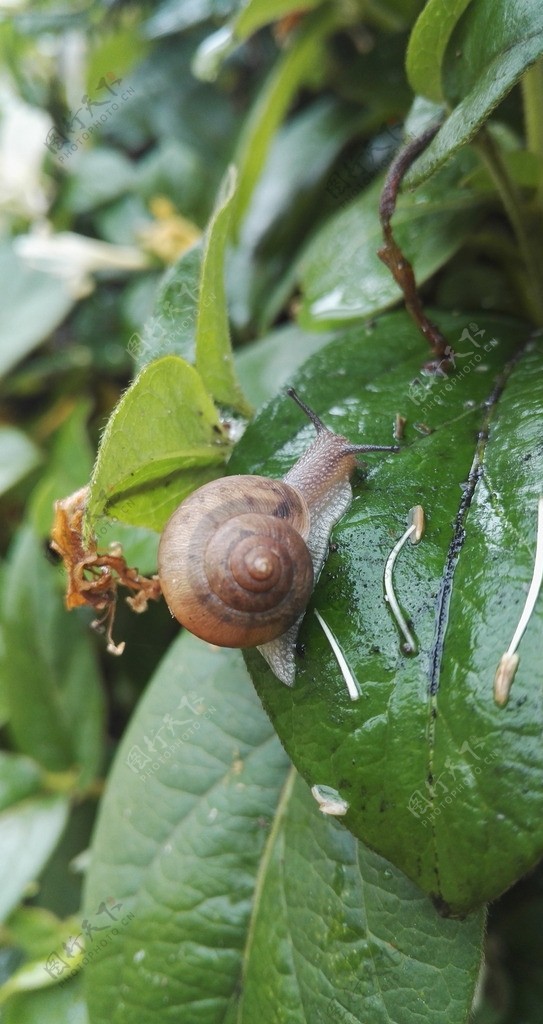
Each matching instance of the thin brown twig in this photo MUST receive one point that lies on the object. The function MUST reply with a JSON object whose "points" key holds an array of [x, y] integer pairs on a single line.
{"points": [[391, 254]]}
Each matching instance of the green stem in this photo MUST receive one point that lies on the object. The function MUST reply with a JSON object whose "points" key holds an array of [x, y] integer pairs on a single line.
{"points": [[532, 95], [529, 248]]}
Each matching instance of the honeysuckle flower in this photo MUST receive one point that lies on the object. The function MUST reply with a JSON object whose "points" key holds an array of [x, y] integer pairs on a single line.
{"points": [[23, 128], [75, 258], [170, 234]]}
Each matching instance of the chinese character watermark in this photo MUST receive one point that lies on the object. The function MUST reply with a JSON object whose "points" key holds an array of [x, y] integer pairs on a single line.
{"points": [[448, 785], [145, 758], [422, 390], [68, 135], [77, 950]]}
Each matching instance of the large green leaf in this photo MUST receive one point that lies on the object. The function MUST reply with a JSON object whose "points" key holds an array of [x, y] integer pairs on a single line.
{"points": [[494, 43], [335, 929], [342, 277], [181, 833], [163, 440], [425, 754], [231, 920]]}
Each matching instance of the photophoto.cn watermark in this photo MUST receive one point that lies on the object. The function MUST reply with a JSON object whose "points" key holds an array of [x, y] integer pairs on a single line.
{"points": [[177, 728], [424, 389], [78, 950], [71, 131], [448, 785]]}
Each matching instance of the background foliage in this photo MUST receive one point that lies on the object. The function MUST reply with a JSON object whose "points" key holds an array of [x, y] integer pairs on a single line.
{"points": [[188, 205]]}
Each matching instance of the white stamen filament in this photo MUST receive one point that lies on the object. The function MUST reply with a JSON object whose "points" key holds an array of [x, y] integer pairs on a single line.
{"points": [[350, 681], [414, 530], [505, 673]]}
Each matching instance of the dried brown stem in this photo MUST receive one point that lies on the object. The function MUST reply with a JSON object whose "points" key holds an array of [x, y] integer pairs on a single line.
{"points": [[391, 254]]}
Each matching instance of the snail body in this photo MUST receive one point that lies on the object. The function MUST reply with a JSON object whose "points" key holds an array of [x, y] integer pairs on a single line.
{"points": [[238, 559]]}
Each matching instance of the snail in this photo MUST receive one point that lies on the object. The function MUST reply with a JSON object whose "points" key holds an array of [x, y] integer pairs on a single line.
{"points": [[239, 558]]}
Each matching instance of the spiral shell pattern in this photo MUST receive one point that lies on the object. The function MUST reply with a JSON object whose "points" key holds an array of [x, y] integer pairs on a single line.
{"points": [[233, 563]]}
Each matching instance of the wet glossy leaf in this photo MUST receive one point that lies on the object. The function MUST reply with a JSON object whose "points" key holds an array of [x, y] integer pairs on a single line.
{"points": [[495, 42], [427, 46], [425, 753], [163, 440], [342, 277], [183, 828]]}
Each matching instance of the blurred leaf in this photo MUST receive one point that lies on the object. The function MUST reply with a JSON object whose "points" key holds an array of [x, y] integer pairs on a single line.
{"points": [[456, 763], [182, 832], [341, 275], [173, 16], [69, 468], [427, 46], [38, 303], [515, 962], [214, 360], [161, 442], [19, 777], [256, 13], [298, 65], [269, 363], [47, 668], [100, 175], [296, 189], [492, 46], [37, 931], [334, 928], [30, 831], [121, 46], [51, 1006], [18, 457]]}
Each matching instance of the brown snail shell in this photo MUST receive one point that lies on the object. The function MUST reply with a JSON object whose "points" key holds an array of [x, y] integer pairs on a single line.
{"points": [[233, 562]]}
